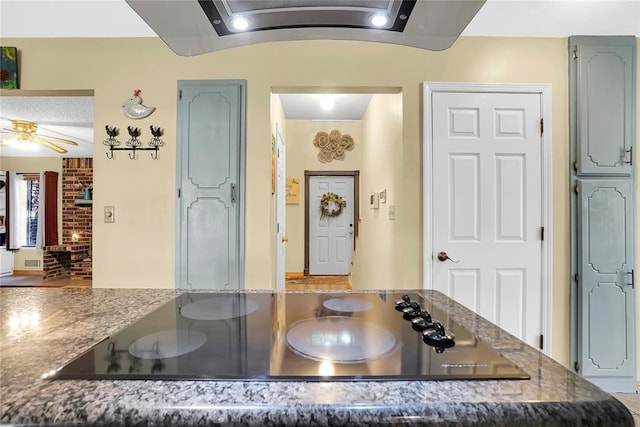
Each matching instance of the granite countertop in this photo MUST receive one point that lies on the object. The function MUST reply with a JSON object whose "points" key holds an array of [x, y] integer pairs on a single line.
{"points": [[42, 329]]}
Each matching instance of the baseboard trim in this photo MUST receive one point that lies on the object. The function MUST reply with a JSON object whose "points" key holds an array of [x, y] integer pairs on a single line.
{"points": [[292, 274], [28, 273]]}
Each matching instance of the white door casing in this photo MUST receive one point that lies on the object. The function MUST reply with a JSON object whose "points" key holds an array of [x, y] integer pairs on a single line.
{"points": [[487, 194], [330, 238], [280, 210]]}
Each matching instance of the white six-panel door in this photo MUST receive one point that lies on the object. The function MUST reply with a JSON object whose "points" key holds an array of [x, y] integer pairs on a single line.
{"points": [[330, 238], [487, 207]]}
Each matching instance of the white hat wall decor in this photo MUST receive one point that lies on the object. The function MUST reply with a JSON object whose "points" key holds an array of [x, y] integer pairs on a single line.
{"points": [[134, 109]]}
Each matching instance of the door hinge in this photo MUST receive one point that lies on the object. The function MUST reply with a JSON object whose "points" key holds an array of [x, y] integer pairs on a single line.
{"points": [[179, 193], [542, 233], [541, 126], [575, 165], [576, 366], [575, 53], [233, 193], [575, 277], [180, 95], [575, 189], [633, 284], [541, 341]]}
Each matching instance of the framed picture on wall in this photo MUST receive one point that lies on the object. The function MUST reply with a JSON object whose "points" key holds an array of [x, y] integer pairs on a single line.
{"points": [[8, 67], [374, 201]]}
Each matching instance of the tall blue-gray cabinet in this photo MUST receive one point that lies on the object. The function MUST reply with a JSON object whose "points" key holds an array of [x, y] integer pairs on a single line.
{"points": [[210, 175], [602, 92]]}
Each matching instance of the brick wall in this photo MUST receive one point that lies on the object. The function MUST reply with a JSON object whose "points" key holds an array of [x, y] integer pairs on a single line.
{"points": [[56, 264], [77, 219]]}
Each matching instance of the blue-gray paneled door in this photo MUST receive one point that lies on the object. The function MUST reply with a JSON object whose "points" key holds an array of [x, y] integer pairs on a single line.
{"points": [[210, 179], [602, 79], [606, 293]]}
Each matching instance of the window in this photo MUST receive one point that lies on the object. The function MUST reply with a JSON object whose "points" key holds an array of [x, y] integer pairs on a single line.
{"points": [[30, 203]]}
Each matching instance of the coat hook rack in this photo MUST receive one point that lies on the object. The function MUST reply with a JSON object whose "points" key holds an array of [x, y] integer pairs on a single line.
{"points": [[133, 144]]}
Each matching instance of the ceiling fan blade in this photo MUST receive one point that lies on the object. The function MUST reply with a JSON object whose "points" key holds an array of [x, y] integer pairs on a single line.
{"points": [[64, 141], [9, 140], [48, 144], [4, 130]]}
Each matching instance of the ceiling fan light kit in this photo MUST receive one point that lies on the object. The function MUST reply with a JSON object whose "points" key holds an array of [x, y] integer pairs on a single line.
{"points": [[133, 144], [27, 137]]}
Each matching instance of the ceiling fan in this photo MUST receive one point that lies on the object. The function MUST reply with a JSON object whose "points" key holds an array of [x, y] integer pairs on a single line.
{"points": [[26, 133]]}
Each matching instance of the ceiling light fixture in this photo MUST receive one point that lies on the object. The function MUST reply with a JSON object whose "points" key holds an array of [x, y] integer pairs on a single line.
{"points": [[327, 102], [379, 20], [239, 23], [27, 138]]}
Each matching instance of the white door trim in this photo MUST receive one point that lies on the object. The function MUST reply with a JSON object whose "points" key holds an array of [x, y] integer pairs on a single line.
{"points": [[281, 247], [427, 149]]}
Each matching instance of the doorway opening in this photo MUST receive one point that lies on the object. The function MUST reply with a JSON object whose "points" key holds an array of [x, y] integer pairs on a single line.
{"points": [[362, 133]]}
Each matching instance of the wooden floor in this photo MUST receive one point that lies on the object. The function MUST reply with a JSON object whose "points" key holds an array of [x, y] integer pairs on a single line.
{"points": [[39, 282], [315, 283], [293, 282]]}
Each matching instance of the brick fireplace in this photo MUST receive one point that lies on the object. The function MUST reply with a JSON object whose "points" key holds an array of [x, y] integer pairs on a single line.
{"points": [[72, 257]]}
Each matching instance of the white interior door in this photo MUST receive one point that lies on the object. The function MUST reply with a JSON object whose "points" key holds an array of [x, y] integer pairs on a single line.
{"points": [[487, 206], [330, 238], [280, 209]]}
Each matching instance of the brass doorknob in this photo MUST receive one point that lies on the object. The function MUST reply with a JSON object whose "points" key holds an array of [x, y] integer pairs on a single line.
{"points": [[284, 239]]}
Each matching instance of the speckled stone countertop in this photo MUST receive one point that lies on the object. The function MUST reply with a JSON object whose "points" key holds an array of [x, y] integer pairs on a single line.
{"points": [[42, 329]]}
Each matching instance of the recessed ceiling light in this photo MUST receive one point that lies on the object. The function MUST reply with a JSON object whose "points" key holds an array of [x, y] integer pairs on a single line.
{"points": [[327, 102], [239, 23], [379, 20]]}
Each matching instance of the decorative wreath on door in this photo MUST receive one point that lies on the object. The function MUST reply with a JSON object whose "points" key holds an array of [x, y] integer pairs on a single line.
{"points": [[331, 205]]}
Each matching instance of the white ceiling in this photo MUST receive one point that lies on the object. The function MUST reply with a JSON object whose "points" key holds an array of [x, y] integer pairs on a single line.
{"points": [[301, 106], [114, 18], [508, 18], [66, 117]]}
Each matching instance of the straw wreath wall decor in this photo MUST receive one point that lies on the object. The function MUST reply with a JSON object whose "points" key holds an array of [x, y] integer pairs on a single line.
{"points": [[331, 205], [332, 145]]}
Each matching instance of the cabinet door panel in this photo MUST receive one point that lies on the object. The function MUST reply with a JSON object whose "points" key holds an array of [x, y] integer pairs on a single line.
{"points": [[604, 109], [210, 222], [606, 297]]}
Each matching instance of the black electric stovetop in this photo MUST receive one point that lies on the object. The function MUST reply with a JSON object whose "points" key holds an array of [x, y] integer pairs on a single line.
{"points": [[293, 336]]}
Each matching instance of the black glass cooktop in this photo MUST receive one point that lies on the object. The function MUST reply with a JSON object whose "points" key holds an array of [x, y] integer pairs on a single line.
{"points": [[293, 336]]}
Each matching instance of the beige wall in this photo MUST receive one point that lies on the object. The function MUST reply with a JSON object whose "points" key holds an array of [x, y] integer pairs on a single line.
{"points": [[138, 249], [377, 262], [301, 156], [35, 165]]}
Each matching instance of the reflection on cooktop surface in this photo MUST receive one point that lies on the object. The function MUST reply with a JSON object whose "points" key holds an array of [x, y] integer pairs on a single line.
{"points": [[347, 304], [166, 344], [340, 339], [218, 307], [292, 336]]}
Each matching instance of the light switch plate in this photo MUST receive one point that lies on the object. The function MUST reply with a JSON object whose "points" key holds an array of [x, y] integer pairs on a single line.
{"points": [[109, 214]]}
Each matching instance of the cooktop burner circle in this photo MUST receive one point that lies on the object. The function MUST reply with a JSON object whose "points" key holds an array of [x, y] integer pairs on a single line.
{"points": [[347, 304], [166, 344], [219, 308], [340, 339]]}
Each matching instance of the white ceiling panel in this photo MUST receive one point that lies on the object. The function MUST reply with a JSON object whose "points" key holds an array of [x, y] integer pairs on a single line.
{"points": [[307, 107]]}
